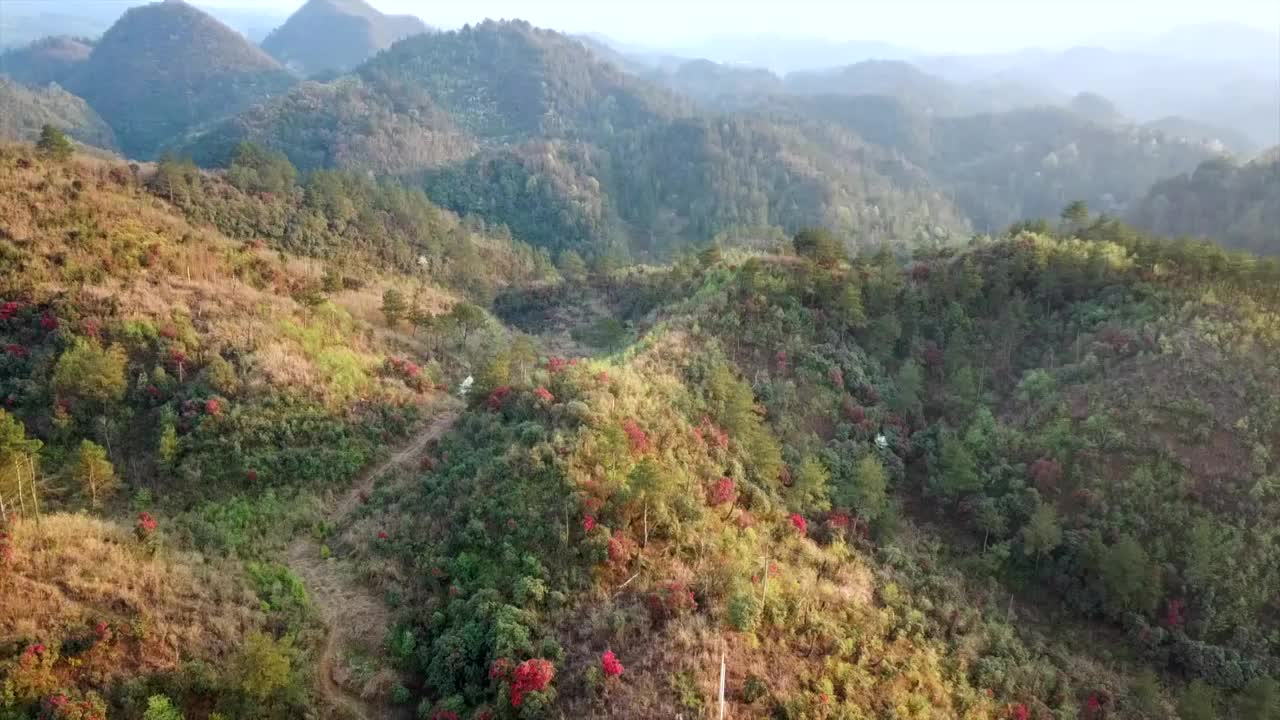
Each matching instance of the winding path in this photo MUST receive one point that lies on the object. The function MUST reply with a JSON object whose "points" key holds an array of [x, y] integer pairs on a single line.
{"points": [[353, 613]]}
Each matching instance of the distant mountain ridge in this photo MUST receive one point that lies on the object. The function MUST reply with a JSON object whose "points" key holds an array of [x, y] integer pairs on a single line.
{"points": [[50, 60], [336, 35], [166, 67]]}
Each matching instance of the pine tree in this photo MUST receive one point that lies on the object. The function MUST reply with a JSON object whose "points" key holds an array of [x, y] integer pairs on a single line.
{"points": [[54, 143], [92, 469]]}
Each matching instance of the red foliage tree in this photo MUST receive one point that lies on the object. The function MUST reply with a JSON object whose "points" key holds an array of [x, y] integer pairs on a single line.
{"points": [[544, 395], [610, 664], [498, 397], [724, 491], [800, 524], [636, 436], [530, 676]]}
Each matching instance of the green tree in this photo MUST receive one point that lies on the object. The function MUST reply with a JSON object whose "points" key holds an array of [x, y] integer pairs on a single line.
{"points": [[648, 491], [1042, 534], [167, 445], [710, 256], [865, 492], [524, 355], [54, 143], [394, 306], [18, 458], [819, 246], [1076, 213], [93, 470], [467, 318], [91, 375], [909, 388], [1131, 582], [262, 666], [850, 306], [810, 489], [1146, 695], [1198, 702], [957, 473], [572, 267], [1260, 700], [160, 707]]}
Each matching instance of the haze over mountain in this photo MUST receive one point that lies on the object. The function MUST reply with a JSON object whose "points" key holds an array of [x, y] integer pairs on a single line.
{"points": [[166, 67], [336, 35]]}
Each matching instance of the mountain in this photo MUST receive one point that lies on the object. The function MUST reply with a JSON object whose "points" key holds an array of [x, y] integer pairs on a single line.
{"points": [[50, 60], [1236, 205], [1223, 139], [527, 128], [717, 85], [787, 53], [1221, 91], [336, 35], [920, 90], [166, 67], [27, 110]]}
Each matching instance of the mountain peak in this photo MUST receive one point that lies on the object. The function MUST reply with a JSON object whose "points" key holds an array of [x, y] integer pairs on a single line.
{"points": [[168, 66], [337, 35]]}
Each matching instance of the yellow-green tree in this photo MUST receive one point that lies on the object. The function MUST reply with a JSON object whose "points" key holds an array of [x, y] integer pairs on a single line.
{"points": [[18, 460], [91, 375], [93, 471]]}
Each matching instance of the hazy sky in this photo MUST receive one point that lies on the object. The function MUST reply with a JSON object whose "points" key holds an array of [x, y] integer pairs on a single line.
{"points": [[930, 24]]}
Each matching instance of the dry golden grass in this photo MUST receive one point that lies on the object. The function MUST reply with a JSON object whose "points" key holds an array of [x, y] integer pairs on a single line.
{"points": [[71, 572]]}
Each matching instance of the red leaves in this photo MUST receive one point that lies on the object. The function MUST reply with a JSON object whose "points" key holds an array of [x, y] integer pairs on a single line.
{"points": [[588, 523], [146, 526], [920, 272], [251, 475], [781, 362], [637, 437], [621, 550], [178, 359], [213, 407], [610, 664], [557, 365], [713, 436], [670, 600], [800, 524], [853, 412], [102, 631], [9, 309], [501, 669], [838, 521], [933, 358], [836, 376], [17, 351], [498, 397], [444, 715], [408, 372], [530, 676], [1175, 613], [49, 322], [724, 491], [544, 395], [383, 536], [1019, 712]]}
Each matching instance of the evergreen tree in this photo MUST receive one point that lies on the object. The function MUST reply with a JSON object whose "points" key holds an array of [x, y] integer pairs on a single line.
{"points": [[93, 471], [54, 143]]}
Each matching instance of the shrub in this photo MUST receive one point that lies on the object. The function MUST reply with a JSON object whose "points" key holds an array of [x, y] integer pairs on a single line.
{"points": [[610, 665]]}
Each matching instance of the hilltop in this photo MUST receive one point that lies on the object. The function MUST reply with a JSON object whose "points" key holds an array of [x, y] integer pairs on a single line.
{"points": [[336, 35], [166, 67], [50, 60]]}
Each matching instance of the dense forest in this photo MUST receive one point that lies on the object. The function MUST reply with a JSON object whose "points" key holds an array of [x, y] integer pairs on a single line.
{"points": [[498, 374], [1238, 205]]}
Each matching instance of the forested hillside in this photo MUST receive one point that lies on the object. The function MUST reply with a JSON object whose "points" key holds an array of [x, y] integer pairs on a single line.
{"points": [[524, 127], [166, 67], [51, 60], [1238, 205], [28, 110]]}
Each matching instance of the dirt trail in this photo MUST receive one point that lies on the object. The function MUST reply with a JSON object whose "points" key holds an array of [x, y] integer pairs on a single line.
{"points": [[354, 614]]}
